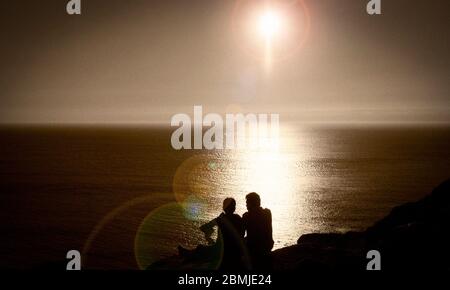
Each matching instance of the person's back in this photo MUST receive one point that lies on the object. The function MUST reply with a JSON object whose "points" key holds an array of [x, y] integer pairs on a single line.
{"points": [[230, 234], [231, 229], [258, 226]]}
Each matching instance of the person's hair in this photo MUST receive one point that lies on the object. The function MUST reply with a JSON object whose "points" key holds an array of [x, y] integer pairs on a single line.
{"points": [[253, 199], [229, 205]]}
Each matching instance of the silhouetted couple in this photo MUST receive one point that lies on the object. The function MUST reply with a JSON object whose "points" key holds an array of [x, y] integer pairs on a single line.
{"points": [[247, 241]]}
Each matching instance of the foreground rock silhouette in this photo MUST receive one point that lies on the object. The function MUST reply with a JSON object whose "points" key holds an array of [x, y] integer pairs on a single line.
{"points": [[413, 237]]}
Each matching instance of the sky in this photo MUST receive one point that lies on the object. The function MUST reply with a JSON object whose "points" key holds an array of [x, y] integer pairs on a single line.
{"points": [[144, 61]]}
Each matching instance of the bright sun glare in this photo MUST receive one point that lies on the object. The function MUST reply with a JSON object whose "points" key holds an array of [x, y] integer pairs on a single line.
{"points": [[269, 24]]}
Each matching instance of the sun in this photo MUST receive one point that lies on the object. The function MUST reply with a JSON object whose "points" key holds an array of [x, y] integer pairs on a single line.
{"points": [[269, 23], [270, 31], [269, 27]]}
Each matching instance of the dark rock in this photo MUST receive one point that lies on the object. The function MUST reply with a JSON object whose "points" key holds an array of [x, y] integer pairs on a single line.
{"points": [[414, 236]]}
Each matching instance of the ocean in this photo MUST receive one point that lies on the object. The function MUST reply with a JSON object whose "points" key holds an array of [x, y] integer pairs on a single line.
{"points": [[124, 198]]}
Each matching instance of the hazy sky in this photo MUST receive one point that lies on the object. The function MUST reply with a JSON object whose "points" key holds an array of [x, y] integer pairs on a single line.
{"points": [[141, 61]]}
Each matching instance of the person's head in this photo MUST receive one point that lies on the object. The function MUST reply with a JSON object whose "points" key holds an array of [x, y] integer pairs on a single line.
{"points": [[229, 205], [253, 201]]}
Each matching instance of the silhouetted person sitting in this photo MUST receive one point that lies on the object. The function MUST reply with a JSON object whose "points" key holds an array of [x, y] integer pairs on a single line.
{"points": [[258, 225], [230, 235]]}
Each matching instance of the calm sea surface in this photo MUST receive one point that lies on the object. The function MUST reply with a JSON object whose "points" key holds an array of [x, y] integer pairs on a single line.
{"points": [[125, 198]]}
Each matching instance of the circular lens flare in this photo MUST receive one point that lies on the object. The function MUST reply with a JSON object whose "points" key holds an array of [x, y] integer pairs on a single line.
{"points": [[166, 228]]}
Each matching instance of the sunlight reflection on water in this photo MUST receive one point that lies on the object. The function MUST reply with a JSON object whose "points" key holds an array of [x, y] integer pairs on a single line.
{"points": [[274, 173], [320, 179]]}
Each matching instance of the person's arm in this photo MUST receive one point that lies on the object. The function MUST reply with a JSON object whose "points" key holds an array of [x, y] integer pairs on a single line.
{"points": [[244, 223], [208, 229]]}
